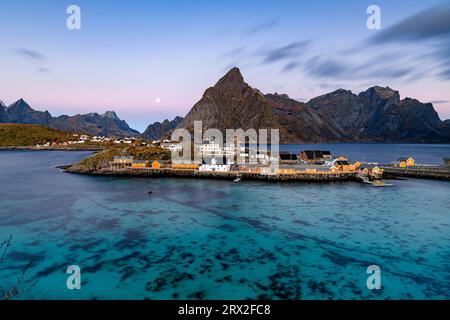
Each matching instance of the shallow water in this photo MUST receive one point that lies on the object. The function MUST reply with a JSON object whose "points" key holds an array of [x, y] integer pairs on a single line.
{"points": [[213, 239]]}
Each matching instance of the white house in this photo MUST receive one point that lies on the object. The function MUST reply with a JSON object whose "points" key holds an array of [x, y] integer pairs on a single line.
{"points": [[213, 166], [210, 147], [170, 146]]}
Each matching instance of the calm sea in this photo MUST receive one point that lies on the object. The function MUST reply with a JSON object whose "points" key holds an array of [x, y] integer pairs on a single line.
{"points": [[380, 153], [213, 239]]}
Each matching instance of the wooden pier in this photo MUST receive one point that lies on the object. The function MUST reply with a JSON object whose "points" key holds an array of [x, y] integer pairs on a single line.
{"points": [[230, 175], [423, 172]]}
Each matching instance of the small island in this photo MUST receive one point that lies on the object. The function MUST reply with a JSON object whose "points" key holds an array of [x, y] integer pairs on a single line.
{"points": [[155, 161]]}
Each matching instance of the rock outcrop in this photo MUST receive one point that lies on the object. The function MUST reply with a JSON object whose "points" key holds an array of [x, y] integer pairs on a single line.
{"points": [[376, 114]]}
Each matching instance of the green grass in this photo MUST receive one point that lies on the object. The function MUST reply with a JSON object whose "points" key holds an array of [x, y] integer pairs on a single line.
{"points": [[24, 135], [101, 159]]}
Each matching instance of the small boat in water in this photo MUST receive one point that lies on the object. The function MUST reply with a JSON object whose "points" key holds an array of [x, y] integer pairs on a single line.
{"points": [[236, 180], [376, 183], [379, 183]]}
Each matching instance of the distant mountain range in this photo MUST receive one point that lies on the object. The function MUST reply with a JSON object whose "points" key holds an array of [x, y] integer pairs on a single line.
{"points": [[107, 124], [157, 129], [375, 115]]}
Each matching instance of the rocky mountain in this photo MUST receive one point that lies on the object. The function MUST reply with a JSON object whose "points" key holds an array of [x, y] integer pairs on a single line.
{"points": [[3, 115], [21, 112], [95, 124], [157, 130], [107, 124], [233, 104], [377, 114], [444, 127]]}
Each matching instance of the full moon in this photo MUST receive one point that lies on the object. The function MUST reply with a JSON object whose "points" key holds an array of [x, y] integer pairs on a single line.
{"points": [[157, 100]]}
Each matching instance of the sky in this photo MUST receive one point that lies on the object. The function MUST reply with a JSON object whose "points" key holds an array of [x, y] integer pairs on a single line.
{"points": [[152, 60]]}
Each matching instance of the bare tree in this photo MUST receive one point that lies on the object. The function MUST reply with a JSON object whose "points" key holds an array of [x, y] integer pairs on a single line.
{"points": [[21, 284]]}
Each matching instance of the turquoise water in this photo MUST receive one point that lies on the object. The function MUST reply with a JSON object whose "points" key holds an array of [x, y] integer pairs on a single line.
{"points": [[213, 239]]}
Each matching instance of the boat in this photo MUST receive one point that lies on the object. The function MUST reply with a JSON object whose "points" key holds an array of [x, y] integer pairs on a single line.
{"points": [[376, 183], [237, 180], [379, 183]]}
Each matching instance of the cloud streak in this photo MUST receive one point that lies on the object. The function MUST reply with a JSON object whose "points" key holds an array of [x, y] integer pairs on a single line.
{"points": [[261, 27], [429, 27], [428, 24], [412, 49], [30, 54], [44, 71], [286, 52]]}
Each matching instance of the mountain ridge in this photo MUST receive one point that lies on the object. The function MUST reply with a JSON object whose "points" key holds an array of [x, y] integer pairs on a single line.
{"points": [[158, 129], [375, 115], [107, 124]]}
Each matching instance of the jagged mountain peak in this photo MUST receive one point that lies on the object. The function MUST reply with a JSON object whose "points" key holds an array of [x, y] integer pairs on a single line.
{"points": [[157, 129], [20, 105], [383, 92], [92, 123], [332, 95], [379, 97], [278, 95], [233, 79], [376, 114], [111, 115], [92, 114]]}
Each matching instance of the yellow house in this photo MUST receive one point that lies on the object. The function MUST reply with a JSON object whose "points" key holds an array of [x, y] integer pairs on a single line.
{"points": [[447, 162], [139, 164], [406, 162], [185, 166], [350, 167], [156, 165], [285, 171], [123, 160]]}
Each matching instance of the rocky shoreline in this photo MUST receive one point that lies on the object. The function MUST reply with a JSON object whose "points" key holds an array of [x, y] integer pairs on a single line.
{"points": [[440, 173], [50, 148], [167, 172], [435, 173]]}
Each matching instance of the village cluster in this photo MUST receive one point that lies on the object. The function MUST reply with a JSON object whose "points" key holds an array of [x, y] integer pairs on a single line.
{"points": [[84, 139], [238, 158]]}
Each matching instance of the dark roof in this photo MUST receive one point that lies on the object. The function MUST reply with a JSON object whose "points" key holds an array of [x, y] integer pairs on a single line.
{"points": [[316, 154], [287, 156], [341, 163]]}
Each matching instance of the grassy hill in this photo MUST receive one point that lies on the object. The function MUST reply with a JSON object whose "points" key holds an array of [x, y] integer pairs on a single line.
{"points": [[101, 160], [23, 135]]}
